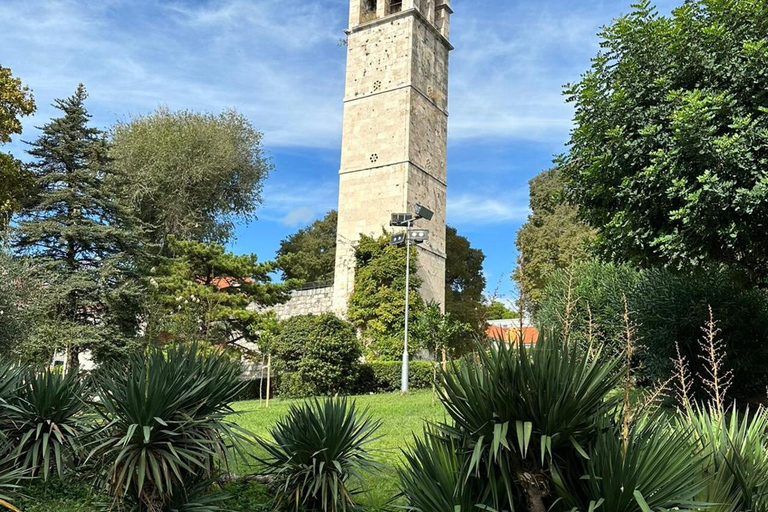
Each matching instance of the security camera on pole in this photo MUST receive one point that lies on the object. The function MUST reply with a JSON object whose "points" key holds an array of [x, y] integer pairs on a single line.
{"points": [[409, 237]]}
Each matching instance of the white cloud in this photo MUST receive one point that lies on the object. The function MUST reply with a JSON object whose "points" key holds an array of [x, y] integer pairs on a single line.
{"points": [[294, 203], [486, 209]]}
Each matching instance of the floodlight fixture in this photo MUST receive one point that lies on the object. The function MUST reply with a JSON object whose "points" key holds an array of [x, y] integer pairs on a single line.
{"points": [[397, 239], [418, 236], [422, 212], [401, 219]]}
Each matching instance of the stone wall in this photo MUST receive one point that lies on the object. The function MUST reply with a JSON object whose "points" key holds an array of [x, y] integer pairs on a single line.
{"points": [[306, 302]]}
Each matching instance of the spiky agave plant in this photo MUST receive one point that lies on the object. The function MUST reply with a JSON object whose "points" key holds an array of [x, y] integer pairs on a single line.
{"points": [[433, 477], [165, 412], [318, 451], [10, 475], [736, 444], [44, 420], [657, 467], [516, 410]]}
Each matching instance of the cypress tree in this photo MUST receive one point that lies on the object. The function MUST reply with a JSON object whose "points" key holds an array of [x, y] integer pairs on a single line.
{"points": [[78, 231]]}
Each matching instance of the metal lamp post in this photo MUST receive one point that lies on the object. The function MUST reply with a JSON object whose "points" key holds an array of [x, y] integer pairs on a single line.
{"points": [[411, 236]]}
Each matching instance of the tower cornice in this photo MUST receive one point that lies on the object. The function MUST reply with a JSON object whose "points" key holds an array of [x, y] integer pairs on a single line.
{"points": [[404, 14]]}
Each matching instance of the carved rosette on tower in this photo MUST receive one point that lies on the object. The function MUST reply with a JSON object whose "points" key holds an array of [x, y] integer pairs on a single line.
{"points": [[395, 132]]}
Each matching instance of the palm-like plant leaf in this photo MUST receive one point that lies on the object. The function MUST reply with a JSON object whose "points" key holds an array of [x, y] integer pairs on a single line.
{"points": [[515, 408], [317, 450], [44, 419], [658, 468], [165, 415], [737, 456]]}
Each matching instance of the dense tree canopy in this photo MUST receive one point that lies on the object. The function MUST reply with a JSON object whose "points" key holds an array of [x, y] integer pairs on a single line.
{"points": [[552, 238], [310, 253], [377, 305], [668, 156], [15, 101], [204, 294], [78, 232], [464, 285], [190, 174]]}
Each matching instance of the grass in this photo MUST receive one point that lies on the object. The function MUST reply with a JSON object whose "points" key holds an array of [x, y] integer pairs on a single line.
{"points": [[401, 416]]}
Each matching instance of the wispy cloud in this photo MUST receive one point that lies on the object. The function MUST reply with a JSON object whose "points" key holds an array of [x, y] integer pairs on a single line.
{"points": [[294, 203], [477, 209]]}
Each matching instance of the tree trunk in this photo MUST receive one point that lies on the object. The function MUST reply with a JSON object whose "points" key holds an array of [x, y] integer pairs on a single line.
{"points": [[269, 376], [73, 358], [536, 487]]}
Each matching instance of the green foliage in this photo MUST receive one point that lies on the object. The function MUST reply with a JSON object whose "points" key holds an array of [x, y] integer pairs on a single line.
{"points": [[166, 430], [310, 254], [553, 237], [517, 410], [596, 294], [464, 287], [736, 456], [498, 311], [191, 175], [322, 350], [16, 101], [669, 307], [668, 154], [433, 479], [386, 376], [629, 476], [22, 304], [438, 332], [81, 237], [42, 419], [203, 293], [318, 452], [377, 304], [666, 308]]}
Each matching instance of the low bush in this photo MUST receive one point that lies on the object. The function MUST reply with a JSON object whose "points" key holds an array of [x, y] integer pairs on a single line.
{"points": [[386, 376], [322, 350], [318, 453]]}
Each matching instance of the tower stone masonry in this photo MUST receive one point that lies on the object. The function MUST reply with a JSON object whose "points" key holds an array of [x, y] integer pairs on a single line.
{"points": [[394, 141]]}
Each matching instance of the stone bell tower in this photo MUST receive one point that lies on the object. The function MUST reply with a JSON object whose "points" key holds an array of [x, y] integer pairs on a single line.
{"points": [[395, 132]]}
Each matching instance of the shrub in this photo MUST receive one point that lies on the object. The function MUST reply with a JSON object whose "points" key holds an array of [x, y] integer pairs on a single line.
{"points": [[292, 386], [166, 432], [322, 350], [42, 419], [517, 410], [670, 307], [385, 376], [318, 454]]}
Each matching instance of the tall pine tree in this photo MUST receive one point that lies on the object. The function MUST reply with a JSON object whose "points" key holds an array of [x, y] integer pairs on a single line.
{"points": [[78, 233]]}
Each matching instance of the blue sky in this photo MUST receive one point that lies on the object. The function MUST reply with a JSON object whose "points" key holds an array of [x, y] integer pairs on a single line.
{"points": [[280, 63]]}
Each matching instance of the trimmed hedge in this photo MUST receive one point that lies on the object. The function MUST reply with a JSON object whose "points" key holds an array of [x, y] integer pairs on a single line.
{"points": [[384, 376]]}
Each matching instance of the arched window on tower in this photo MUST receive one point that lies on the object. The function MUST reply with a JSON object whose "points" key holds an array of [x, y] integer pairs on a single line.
{"points": [[395, 6]]}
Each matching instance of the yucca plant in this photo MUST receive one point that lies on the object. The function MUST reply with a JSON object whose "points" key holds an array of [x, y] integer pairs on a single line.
{"points": [[433, 479], [166, 426], [43, 419], [10, 476], [318, 453], [657, 467], [736, 445], [517, 409]]}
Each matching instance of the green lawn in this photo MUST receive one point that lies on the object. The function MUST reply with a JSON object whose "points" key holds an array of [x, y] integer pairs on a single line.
{"points": [[401, 417]]}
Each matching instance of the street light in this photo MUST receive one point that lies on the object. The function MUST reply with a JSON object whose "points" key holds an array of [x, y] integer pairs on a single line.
{"points": [[410, 237]]}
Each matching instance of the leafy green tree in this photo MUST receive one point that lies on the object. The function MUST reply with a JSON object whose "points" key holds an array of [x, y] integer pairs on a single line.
{"points": [[191, 175], [16, 101], [464, 286], [207, 294], [498, 311], [552, 238], [377, 305], [81, 237], [437, 332], [310, 254], [669, 150]]}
